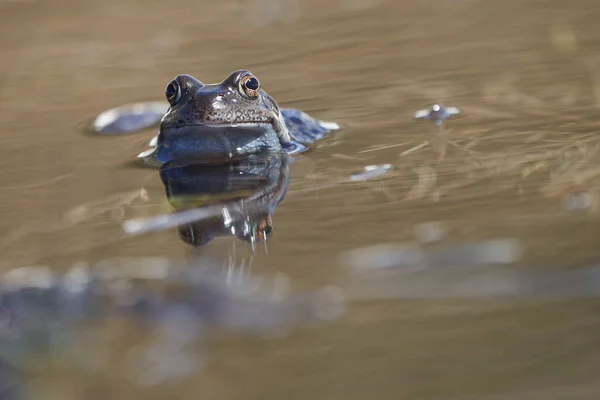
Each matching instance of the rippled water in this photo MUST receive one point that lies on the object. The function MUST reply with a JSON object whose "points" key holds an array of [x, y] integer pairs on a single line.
{"points": [[467, 269]]}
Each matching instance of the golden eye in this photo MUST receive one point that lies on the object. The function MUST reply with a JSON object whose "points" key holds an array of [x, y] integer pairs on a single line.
{"points": [[250, 86]]}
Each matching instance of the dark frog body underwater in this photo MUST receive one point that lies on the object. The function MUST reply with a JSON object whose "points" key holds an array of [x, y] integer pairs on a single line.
{"points": [[224, 121]]}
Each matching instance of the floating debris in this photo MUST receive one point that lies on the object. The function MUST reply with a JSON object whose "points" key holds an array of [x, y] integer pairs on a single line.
{"points": [[130, 118], [437, 113], [140, 226], [371, 172]]}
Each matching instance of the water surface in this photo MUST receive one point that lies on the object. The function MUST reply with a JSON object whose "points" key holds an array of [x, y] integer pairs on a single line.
{"points": [[525, 77]]}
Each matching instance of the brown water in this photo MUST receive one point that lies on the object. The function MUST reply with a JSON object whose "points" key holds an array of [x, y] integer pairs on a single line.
{"points": [[525, 76]]}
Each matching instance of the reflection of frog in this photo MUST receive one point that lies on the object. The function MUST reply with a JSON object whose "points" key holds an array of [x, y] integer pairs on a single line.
{"points": [[259, 181], [222, 121]]}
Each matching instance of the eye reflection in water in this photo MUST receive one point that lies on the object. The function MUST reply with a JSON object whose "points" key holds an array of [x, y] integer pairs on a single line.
{"points": [[258, 182]]}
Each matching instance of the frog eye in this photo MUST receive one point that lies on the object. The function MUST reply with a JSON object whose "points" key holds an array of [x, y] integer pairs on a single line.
{"points": [[173, 92], [249, 85]]}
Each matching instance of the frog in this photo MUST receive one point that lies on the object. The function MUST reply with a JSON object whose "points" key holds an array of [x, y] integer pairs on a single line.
{"points": [[225, 121]]}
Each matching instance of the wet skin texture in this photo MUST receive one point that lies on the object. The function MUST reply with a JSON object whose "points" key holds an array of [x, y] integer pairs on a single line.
{"points": [[235, 118]]}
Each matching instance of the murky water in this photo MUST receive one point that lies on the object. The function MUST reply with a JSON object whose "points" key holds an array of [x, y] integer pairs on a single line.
{"points": [[519, 168]]}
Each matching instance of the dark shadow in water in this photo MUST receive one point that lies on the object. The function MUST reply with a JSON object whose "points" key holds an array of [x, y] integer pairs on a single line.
{"points": [[259, 183]]}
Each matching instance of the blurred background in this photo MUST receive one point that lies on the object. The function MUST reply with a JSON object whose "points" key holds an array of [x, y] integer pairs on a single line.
{"points": [[467, 269]]}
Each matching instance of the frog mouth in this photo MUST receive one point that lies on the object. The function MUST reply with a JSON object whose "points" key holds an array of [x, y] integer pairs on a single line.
{"points": [[220, 127], [223, 133], [232, 124]]}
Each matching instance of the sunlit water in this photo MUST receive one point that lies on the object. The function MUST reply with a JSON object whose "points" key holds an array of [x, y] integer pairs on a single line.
{"points": [[466, 269]]}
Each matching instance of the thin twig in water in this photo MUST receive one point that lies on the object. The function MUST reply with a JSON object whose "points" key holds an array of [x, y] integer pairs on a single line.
{"points": [[317, 188], [34, 185], [466, 151], [441, 134], [167, 221], [413, 149], [384, 147]]}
